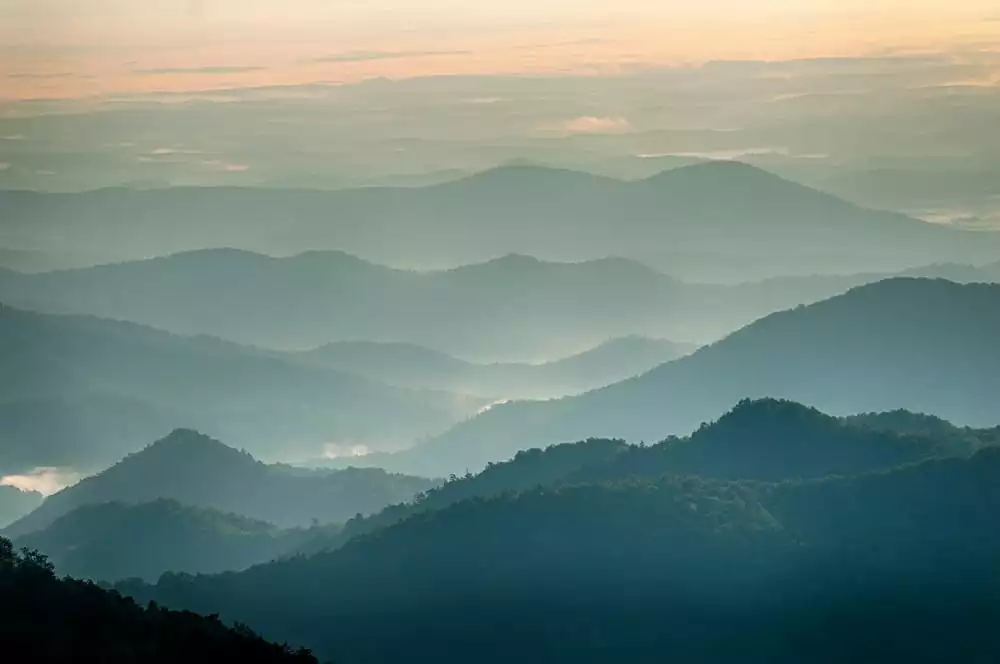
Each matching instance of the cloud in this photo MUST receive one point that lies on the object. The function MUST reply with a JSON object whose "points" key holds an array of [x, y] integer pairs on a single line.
{"points": [[4, 166], [167, 71], [370, 56], [225, 167], [491, 406], [165, 152], [728, 155], [590, 124], [39, 76], [341, 450], [43, 480]]}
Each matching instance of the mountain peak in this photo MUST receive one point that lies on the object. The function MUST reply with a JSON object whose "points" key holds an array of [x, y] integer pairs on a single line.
{"points": [[516, 260], [328, 256], [769, 412], [722, 172], [529, 175], [187, 447], [187, 437], [217, 253]]}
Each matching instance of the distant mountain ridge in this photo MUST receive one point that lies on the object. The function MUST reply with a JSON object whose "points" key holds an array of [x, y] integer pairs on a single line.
{"points": [[407, 365], [922, 345], [15, 503], [83, 391], [196, 470], [512, 309], [712, 213]]}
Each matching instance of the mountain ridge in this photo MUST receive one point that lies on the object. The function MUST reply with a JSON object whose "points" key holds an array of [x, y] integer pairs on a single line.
{"points": [[197, 470], [67, 373], [500, 212], [15, 503], [817, 354], [115, 541], [301, 302], [722, 559]]}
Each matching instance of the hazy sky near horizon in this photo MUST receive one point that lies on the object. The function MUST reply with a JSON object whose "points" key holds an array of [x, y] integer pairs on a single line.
{"points": [[87, 48], [890, 103]]}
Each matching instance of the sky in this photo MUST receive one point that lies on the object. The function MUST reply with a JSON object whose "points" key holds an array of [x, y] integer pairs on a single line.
{"points": [[85, 48]]}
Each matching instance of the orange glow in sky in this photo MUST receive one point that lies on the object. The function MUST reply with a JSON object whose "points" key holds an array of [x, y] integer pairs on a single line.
{"points": [[49, 50]]}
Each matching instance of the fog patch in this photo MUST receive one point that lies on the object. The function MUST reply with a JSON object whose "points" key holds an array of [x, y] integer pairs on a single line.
{"points": [[345, 450], [589, 124]]}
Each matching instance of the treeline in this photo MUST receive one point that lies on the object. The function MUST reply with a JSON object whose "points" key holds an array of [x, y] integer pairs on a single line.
{"points": [[46, 619], [762, 440]]}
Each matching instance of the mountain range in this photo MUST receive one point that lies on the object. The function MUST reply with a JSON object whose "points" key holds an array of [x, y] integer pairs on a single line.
{"points": [[762, 440], [922, 345], [81, 391], [116, 531], [515, 308], [89, 390], [579, 558], [197, 471], [719, 218]]}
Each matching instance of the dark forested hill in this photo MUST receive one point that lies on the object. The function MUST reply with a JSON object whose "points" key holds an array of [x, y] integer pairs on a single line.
{"points": [[199, 471], [723, 213], [922, 345], [114, 541], [83, 391], [764, 440], [892, 566], [771, 440], [529, 469], [52, 621]]}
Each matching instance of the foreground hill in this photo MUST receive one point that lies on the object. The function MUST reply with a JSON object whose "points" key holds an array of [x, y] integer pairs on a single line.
{"points": [[196, 470], [114, 541], [890, 566], [721, 217], [15, 503], [80, 391], [44, 619], [922, 345], [415, 367]]}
